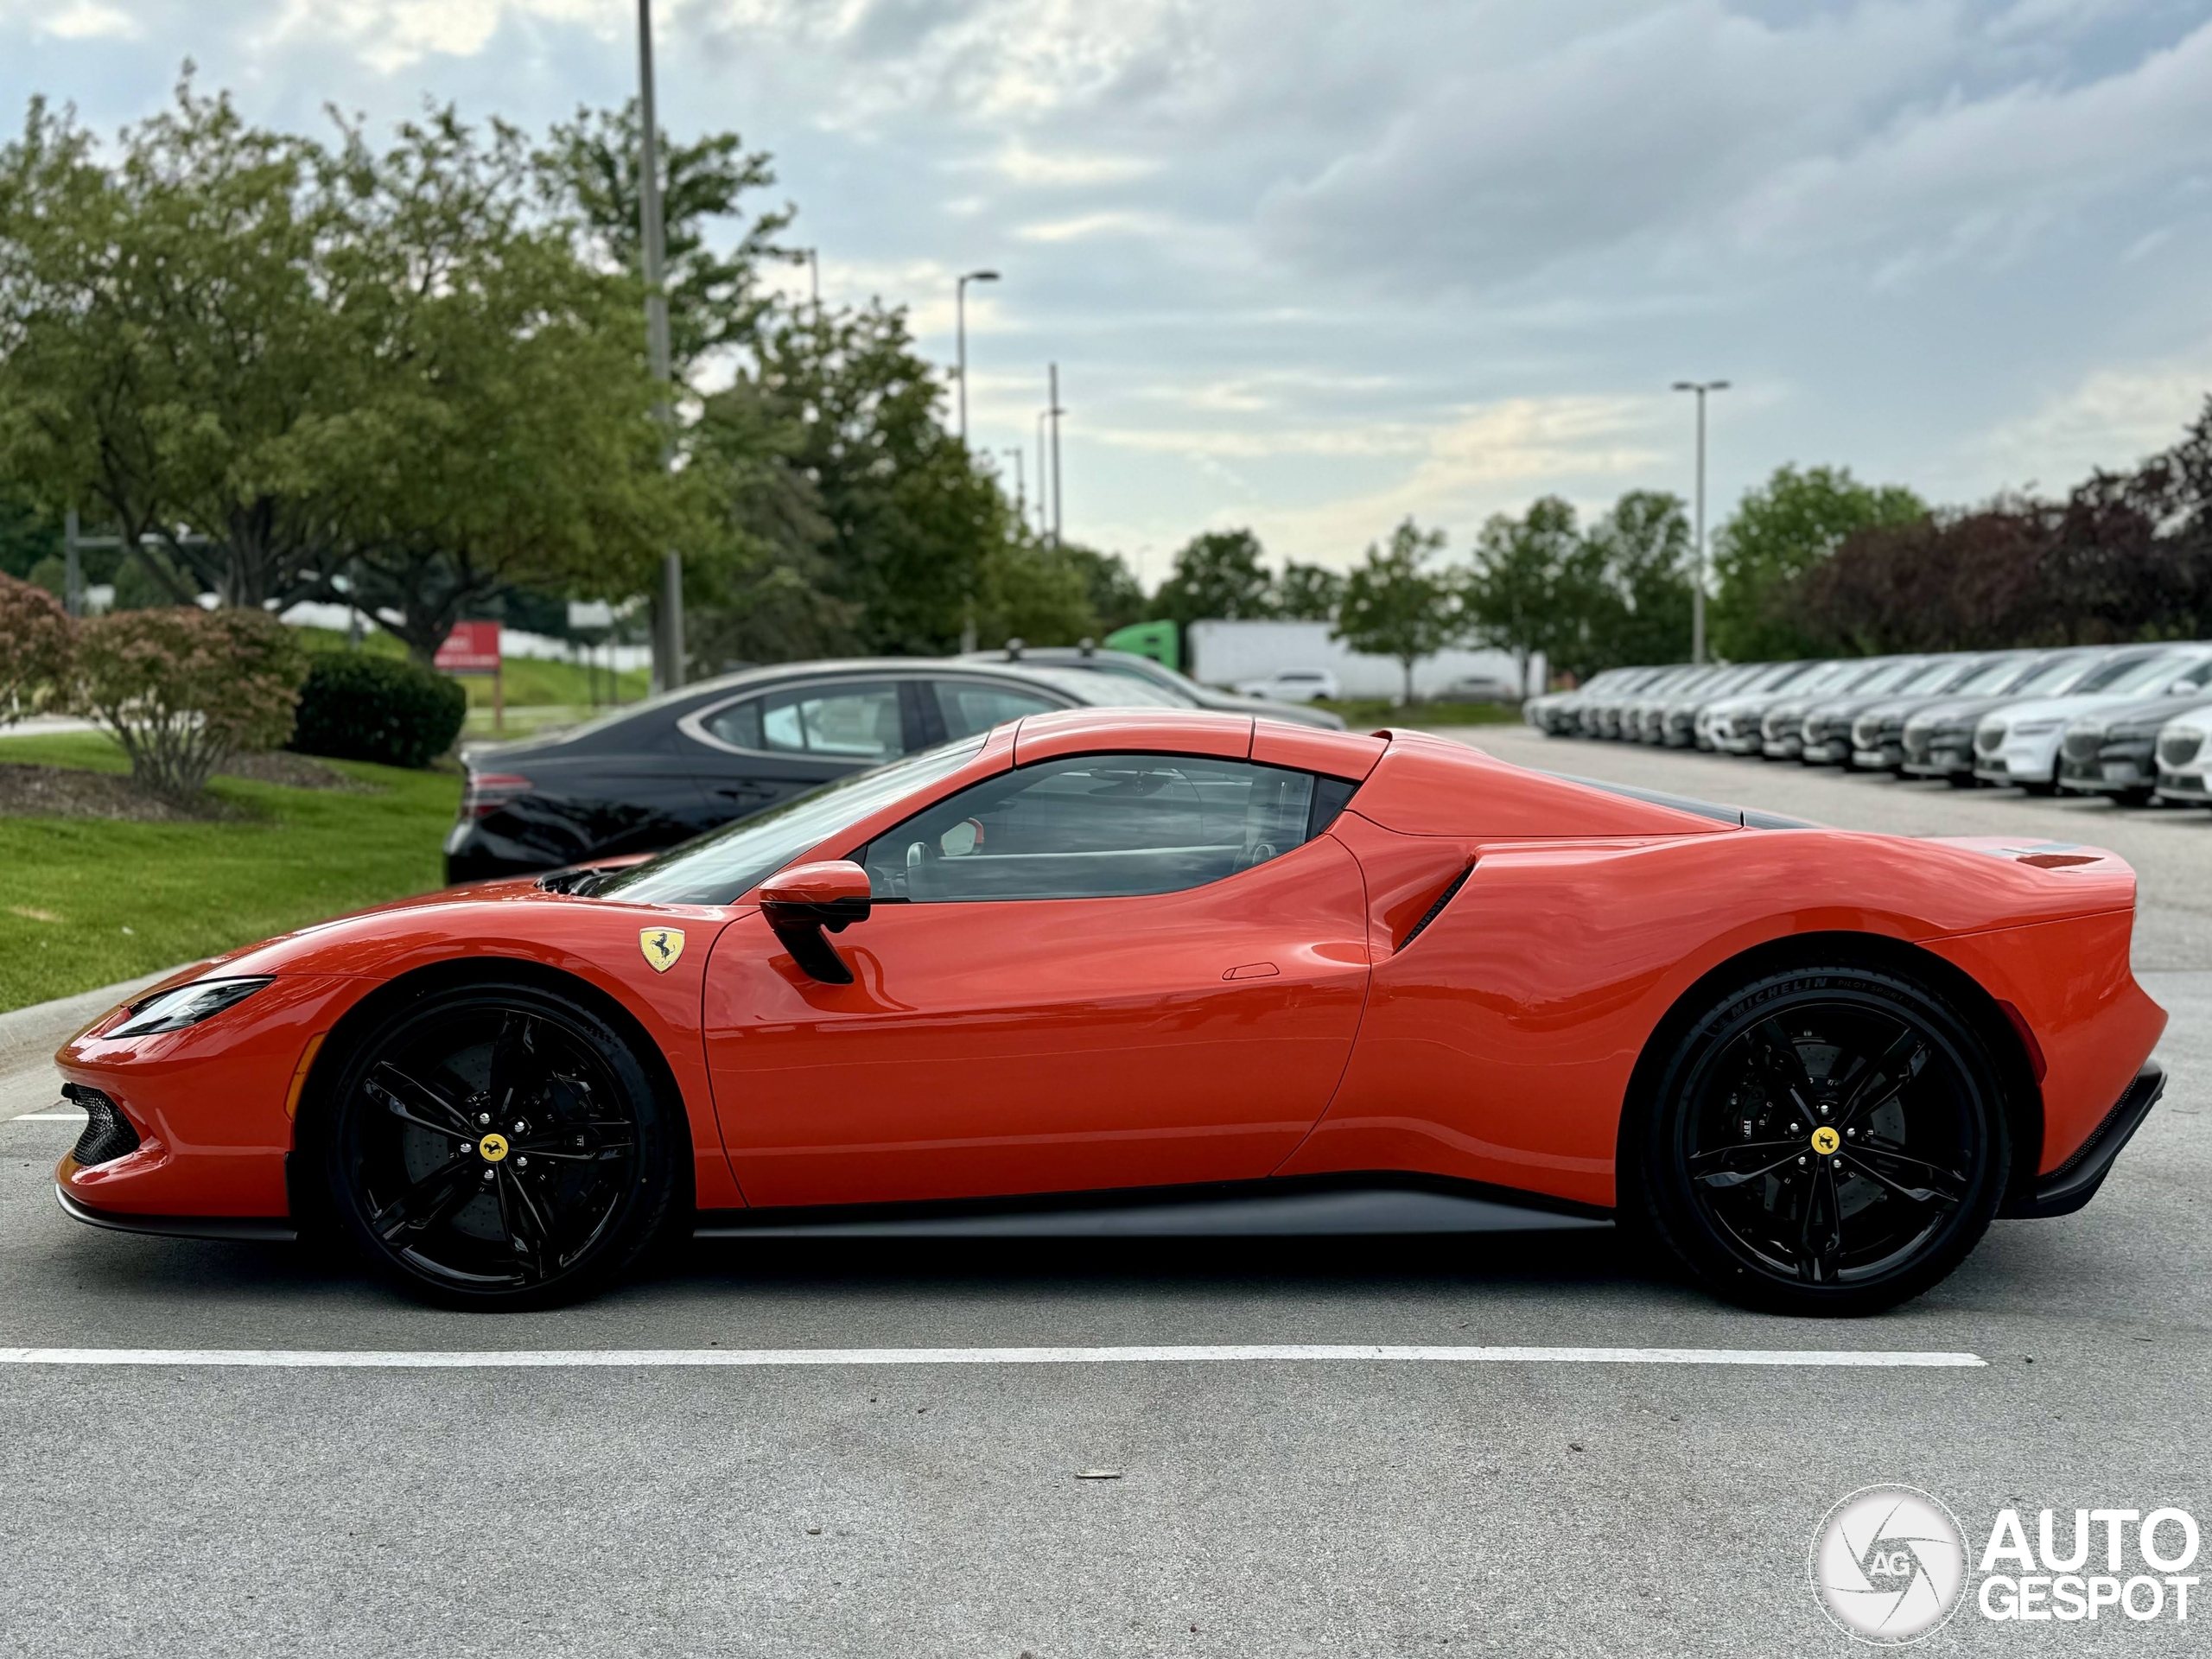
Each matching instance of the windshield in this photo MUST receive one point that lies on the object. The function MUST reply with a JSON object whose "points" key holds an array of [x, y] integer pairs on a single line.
{"points": [[1928, 676], [718, 867], [1108, 689], [2134, 673], [1995, 675], [1884, 678], [2055, 675]]}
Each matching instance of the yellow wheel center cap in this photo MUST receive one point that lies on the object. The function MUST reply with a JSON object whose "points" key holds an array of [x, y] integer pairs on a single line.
{"points": [[494, 1147], [1825, 1140]]}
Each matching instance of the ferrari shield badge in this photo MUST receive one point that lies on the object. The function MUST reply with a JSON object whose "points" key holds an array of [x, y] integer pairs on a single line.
{"points": [[662, 946]]}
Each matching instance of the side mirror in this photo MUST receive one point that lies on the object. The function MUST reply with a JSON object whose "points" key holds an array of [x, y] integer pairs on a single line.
{"points": [[800, 902]]}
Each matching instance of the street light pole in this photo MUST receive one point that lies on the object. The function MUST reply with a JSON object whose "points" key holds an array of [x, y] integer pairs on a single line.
{"points": [[960, 331], [1697, 585], [668, 617], [1054, 411], [1044, 478]]}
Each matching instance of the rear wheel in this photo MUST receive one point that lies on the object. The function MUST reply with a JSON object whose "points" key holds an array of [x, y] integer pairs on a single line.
{"points": [[1827, 1141], [499, 1146]]}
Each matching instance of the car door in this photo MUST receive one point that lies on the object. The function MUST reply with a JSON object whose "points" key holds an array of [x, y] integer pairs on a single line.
{"points": [[1095, 972], [753, 751]]}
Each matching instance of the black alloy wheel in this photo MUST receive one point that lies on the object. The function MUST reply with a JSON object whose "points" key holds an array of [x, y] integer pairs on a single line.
{"points": [[499, 1146], [1828, 1140]]}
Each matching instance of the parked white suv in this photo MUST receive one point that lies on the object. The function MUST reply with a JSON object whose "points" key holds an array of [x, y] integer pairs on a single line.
{"points": [[2018, 743], [1291, 685], [2184, 754]]}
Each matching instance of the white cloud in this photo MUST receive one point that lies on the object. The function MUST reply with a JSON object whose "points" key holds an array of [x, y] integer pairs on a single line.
{"points": [[2110, 418], [1085, 227], [88, 20], [390, 36]]}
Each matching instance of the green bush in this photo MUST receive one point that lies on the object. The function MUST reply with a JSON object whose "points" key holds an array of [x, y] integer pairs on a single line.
{"points": [[183, 689], [358, 707]]}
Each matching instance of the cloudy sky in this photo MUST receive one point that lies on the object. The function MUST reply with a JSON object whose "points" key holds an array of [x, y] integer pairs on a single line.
{"points": [[1312, 267]]}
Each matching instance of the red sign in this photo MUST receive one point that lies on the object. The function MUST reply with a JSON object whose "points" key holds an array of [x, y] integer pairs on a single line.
{"points": [[471, 648]]}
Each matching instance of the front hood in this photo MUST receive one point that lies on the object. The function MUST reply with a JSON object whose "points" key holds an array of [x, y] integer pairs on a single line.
{"points": [[1907, 706], [496, 919], [2144, 718], [2058, 709], [1965, 711], [1839, 709]]}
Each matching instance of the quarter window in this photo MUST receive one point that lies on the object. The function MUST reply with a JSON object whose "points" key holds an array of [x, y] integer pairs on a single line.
{"points": [[972, 706], [840, 722], [1101, 827]]}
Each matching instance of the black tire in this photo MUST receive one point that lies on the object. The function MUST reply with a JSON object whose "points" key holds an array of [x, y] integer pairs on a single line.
{"points": [[499, 1145], [1772, 1160]]}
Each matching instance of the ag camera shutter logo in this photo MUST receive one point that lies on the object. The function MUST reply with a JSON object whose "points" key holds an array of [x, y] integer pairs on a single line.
{"points": [[1888, 1565]]}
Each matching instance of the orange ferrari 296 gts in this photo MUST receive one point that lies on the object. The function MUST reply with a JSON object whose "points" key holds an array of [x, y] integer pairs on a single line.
{"points": [[1133, 973]]}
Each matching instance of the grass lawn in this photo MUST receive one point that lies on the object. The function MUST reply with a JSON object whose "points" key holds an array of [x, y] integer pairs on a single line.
{"points": [[1366, 714], [85, 902]]}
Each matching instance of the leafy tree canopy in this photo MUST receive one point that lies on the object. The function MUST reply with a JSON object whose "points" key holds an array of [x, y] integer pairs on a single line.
{"points": [[1395, 606], [1219, 574], [1780, 532]]}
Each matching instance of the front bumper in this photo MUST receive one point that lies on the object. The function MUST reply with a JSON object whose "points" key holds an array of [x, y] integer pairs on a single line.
{"points": [[2109, 774], [2074, 1182], [1890, 757], [253, 1229]]}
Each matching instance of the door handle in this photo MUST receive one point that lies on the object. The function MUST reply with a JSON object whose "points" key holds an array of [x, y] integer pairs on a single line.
{"points": [[1253, 970]]}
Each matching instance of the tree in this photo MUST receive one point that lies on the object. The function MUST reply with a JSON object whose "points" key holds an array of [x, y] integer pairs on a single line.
{"points": [[899, 521], [1221, 573], [27, 534], [1641, 612], [589, 171], [1116, 597], [1778, 533], [1394, 606], [1035, 594], [506, 432], [1309, 593], [1535, 584], [175, 349]]}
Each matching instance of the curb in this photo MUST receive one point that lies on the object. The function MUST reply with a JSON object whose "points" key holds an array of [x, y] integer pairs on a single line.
{"points": [[30, 1036]]}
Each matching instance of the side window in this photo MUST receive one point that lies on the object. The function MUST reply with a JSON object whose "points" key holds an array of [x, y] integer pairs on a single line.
{"points": [[836, 722], [1101, 826], [972, 706]]}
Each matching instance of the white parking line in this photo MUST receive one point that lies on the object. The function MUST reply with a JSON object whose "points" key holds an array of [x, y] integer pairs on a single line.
{"points": [[47, 1117], [495, 1359]]}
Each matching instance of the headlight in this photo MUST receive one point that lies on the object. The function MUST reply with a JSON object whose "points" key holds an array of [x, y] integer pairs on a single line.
{"points": [[2036, 727], [186, 1005]]}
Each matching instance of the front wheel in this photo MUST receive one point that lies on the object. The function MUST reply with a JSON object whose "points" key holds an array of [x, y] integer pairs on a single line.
{"points": [[499, 1146], [1826, 1140]]}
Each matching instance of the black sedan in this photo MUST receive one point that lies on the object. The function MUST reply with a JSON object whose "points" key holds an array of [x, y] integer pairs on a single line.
{"points": [[658, 772], [1099, 659]]}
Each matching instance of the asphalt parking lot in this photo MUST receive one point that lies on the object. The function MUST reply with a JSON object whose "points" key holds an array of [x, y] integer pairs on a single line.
{"points": [[1260, 1507]]}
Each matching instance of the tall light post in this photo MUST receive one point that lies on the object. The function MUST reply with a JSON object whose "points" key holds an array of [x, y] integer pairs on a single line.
{"points": [[1055, 411], [668, 610], [1044, 478], [1697, 585], [960, 330]]}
